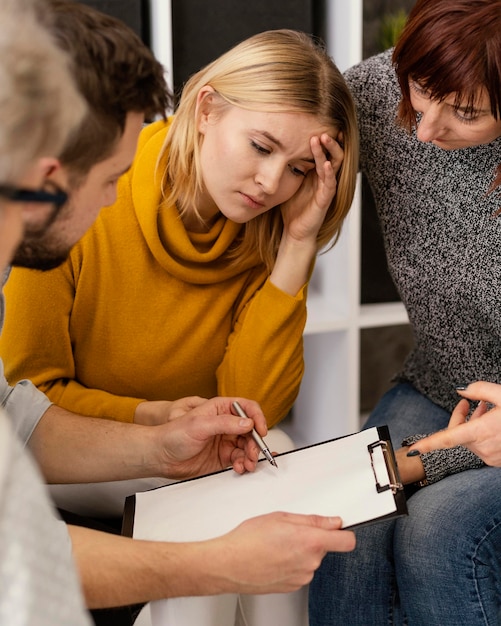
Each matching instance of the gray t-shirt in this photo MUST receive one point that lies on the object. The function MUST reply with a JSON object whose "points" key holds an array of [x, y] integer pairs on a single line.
{"points": [[23, 402], [38, 581]]}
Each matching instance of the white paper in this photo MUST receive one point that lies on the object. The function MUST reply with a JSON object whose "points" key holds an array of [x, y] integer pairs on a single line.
{"points": [[335, 478]]}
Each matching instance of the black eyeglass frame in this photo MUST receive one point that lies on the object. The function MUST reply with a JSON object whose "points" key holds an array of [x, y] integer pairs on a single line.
{"points": [[39, 196]]}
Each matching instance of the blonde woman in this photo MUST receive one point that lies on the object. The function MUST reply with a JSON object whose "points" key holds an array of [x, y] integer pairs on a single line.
{"points": [[193, 283]]}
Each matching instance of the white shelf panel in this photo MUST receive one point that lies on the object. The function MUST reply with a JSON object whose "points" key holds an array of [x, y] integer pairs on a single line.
{"points": [[327, 405], [325, 315], [384, 314]]}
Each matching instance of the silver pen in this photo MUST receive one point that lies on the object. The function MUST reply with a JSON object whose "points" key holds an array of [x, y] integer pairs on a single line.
{"points": [[255, 435]]}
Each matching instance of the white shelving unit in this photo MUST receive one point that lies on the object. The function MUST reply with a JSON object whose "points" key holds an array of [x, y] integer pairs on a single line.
{"points": [[161, 38], [328, 404]]}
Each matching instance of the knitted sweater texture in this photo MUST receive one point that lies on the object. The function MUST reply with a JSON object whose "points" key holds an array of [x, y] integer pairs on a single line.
{"points": [[442, 239]]}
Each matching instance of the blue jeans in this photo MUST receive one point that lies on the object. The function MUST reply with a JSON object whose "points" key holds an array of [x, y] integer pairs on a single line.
{"points": [[438, 566]]}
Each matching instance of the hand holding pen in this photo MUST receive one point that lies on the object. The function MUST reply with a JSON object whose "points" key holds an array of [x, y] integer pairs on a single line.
{"points": [[255, 435]]}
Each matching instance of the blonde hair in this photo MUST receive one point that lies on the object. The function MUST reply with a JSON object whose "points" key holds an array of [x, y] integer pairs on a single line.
{"points": [[277, 70], [39, 103]]}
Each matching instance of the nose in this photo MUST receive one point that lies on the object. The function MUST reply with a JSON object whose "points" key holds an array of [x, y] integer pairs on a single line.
{"points": [[268, 176], [431, 122]]}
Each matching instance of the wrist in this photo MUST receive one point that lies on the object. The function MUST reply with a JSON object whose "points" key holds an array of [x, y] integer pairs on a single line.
{"points": [[199, 568], [437, 464], [152, 413], [293, 265], [411, 469], [151, 453], [290, 245]]}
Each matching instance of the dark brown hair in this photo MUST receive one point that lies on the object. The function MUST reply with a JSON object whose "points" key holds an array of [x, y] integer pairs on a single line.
{"points": [[116, 73], [451, 46]]}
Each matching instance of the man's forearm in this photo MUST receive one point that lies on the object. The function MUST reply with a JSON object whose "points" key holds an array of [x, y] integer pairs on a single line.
{"points": [[70, 448], [118, 571]]}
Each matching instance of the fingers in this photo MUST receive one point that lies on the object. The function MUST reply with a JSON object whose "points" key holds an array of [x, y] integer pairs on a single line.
{"points": [[216, 412], [319, 521], [463, 434], [236, 433], [327, 523], [242, 464], [328, 155], [482, 390], [321, 158], [335, 149], [252, 410], [232, 429], [339, 541], [333, 539], [480, 410], [460, 413], [194, 401]]}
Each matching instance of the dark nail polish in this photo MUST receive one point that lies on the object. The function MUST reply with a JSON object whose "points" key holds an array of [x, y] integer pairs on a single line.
{"points": [[413, 453], [461, 387]]}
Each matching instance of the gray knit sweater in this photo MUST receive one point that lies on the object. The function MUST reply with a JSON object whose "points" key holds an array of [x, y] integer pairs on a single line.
{"points": [[443, 243]]}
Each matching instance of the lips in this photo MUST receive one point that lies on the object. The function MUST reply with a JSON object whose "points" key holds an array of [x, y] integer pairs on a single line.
{"points": [[252, 201]]}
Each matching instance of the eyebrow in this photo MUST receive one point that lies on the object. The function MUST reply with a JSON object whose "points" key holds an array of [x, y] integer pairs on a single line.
{"points": [[463, 109], [280, 145]]}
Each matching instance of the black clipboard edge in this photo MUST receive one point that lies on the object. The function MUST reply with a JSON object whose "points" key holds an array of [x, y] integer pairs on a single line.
{"points": [[128, 516], [383, 434]]}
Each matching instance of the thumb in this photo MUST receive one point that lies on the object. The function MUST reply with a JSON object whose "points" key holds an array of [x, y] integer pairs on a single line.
{"points": [[225, 424], [319, 521], [483, 390], [327, 523]]}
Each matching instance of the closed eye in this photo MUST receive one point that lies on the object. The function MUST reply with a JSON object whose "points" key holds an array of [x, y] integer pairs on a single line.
{"points": [[418, 89], [259, 148], [467, 116], [296, 171]]}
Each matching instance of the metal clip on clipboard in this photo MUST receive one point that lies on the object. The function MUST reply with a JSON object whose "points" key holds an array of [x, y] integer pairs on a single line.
{"points": [[391, 466]]}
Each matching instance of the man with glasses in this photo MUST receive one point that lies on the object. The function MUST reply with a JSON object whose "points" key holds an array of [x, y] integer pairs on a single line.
{"points": [[15, 194], [39, 106]]}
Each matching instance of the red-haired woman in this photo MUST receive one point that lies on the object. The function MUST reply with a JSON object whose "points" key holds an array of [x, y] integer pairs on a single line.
{"points": [[430, 125]]}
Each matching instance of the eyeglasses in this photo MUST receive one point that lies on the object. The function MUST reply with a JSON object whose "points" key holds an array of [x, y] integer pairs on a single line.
{"points": [[39, 196]]}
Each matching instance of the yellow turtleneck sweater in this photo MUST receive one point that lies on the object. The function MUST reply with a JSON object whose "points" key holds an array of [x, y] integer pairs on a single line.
{"points": [[139, 312]]}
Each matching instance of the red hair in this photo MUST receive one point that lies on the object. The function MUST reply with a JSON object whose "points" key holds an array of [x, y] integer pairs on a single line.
{"points": [[451, 46]]}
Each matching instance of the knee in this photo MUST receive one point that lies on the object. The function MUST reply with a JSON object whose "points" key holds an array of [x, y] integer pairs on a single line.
{"points": [[447, 531]]}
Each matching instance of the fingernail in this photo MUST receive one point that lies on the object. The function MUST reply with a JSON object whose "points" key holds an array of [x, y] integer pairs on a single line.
{"points": [[461, 387], [413, 452]]}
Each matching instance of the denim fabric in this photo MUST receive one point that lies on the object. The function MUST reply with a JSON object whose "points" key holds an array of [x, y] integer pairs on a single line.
{"points": [[439, 566]]}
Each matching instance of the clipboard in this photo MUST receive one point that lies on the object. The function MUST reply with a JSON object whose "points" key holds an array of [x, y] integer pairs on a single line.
{"points": [[355, 477]]}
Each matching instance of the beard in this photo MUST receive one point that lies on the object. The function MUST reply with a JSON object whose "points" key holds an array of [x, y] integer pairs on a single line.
{"points": [[39, 254], [41, 248]]}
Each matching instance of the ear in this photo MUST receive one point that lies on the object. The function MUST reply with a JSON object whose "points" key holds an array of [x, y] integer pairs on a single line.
{"points": [[52, 170], [205, 100]]}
